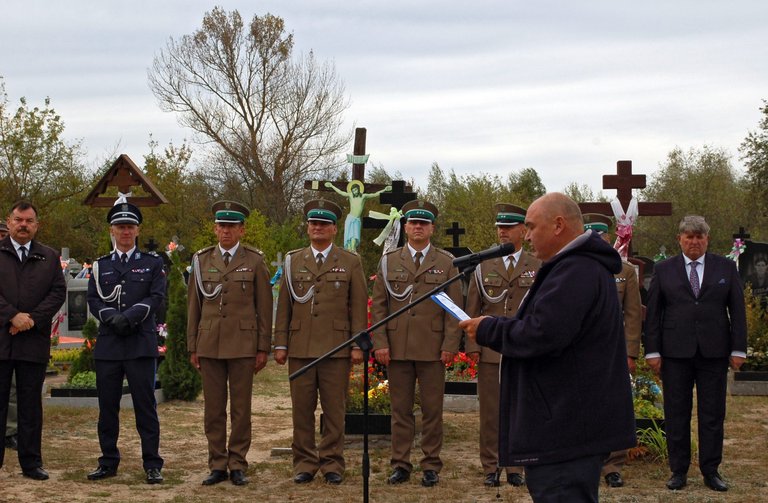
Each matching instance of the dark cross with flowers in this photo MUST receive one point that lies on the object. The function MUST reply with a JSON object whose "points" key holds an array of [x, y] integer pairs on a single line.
{"points": [[624, 181], [743, 234]]}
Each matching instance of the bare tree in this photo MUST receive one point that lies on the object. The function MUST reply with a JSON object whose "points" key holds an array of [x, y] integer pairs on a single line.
{"points": [[273, 121]]}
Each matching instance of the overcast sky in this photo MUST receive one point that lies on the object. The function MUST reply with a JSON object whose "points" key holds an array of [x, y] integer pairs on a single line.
{"points": [[567, 88]]}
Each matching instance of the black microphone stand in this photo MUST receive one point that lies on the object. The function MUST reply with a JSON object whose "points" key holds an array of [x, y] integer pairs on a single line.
{"points": [[364, 342]]}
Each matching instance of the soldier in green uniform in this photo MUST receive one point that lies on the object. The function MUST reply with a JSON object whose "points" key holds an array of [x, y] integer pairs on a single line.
{"points": [[229, 335], [322, 303], [417, 345]]}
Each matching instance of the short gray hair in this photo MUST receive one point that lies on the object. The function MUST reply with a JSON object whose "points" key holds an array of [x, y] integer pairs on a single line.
{"points": [[693, 224]]}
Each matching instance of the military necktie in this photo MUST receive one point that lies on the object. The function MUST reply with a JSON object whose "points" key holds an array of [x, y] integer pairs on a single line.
{"points": [[694, 278], [124, 258], [417, 259], [319, 260], [511, 264], [226, 258]]}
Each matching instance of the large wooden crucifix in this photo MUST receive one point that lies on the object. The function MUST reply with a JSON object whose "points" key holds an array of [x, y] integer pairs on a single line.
{"points": [[624, 181], [358, 160], [396, 194]]}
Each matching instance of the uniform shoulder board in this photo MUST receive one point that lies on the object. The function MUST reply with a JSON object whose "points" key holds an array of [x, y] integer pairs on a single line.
{"points": [[153, 253], [396, 250], [350, 252], [294, 251], [445, 252], [108, 255], [253, 249], [205, 250]]}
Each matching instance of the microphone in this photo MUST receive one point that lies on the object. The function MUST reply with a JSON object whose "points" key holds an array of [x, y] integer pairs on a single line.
{"points": [[473, 259]]}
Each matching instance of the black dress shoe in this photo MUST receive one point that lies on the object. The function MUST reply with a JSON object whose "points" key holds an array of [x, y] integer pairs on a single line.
{"points": [[677, 481], [238, 477], [614, 479], [102, 472], [35, 473], [303, 477], [215, 477], [429, 478], [399, 476], [715, 482], [515, 479], [154, 476], [333, 478], [491, 480], [12, 442]]}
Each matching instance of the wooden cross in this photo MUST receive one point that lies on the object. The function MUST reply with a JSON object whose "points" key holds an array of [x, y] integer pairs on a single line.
{"points": [[400, 194], [743, 235], [151, 245], [624, 181], [358, 160], [455, 231], [279, 262], [397, 198]]}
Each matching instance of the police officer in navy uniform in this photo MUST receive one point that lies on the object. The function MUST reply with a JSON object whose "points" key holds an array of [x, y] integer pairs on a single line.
{"points": [[125, 290]]}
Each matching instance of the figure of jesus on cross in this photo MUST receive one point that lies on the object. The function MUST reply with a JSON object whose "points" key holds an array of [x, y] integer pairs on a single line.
{"points": [[357, 197]]}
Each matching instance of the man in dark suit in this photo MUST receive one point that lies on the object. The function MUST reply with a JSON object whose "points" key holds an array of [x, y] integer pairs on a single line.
{"points": [[31, 292], [229, 334], [323, 302], [497, 289], [695, 327], [124, 292], [566, 398]]}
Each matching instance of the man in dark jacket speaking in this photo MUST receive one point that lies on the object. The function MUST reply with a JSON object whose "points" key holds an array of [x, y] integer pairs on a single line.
{"points": [[566, 397]]}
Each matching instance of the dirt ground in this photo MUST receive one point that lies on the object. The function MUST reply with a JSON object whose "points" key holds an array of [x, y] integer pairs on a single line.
{"points": [[70, 451]]}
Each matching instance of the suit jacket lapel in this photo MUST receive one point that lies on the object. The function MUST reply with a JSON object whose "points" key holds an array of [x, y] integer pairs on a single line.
{"points": [[237, 260], [710, 277], [682, 272], [218, 261], [333, 256], [119, 263], [520, 267], [407, 260], [496, 266], [427, 262]]}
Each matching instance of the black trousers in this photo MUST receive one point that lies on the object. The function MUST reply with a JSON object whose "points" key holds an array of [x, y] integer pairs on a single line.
{"points": [[710, 375], [574, 481], [140, 373], [29, 390]]}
